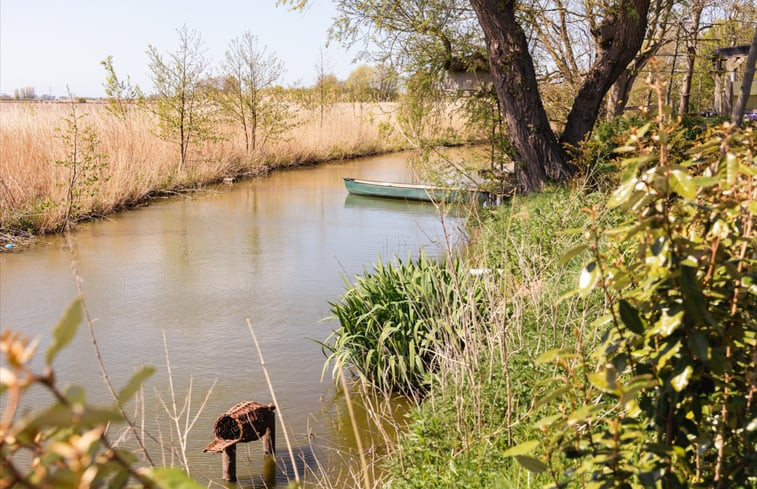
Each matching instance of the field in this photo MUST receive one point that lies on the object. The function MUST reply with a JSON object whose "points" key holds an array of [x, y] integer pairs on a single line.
{"points": [[120, 163]]}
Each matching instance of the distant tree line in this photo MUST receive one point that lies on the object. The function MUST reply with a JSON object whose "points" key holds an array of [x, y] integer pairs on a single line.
{"points": [[189, 97]]}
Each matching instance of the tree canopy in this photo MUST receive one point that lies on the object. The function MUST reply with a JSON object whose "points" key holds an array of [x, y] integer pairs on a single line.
{"points": [[587, 44]]}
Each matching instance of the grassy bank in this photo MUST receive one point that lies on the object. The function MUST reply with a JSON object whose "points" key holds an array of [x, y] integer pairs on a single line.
{"points": [[486, 390], [477, 382], [592, 339], [47, 179]]}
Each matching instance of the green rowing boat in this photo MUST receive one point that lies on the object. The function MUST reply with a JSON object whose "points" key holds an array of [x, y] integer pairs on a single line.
{"points": [[411, 191]]}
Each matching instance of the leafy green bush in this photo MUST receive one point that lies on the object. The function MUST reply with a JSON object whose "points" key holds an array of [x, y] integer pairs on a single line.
{"points": [[668, 398], [597, 160], [394, 319]]}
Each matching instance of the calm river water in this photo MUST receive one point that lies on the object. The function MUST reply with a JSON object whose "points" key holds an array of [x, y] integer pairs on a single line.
{"points": [[272, 249]]}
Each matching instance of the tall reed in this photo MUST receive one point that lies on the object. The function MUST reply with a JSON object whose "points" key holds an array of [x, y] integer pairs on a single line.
{"points": [[136, 164]]}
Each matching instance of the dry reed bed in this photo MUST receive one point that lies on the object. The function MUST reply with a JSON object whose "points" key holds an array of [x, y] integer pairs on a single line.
{"points": [[33, 188]]}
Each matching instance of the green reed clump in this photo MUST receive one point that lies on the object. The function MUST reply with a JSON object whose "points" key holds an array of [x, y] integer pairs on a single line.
{"points": [[395, 318]]}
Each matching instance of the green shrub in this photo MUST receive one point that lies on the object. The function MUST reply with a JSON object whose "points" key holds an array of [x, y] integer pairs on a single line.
{"points": [[395, 318], [597, 158], [667, 399]]}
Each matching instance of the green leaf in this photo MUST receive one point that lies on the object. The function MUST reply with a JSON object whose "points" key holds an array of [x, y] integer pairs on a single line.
{"points": [[65, 330], [732, 168], [572, 253], [670, 351], [522, 448], [695, 300], [666, 324], [581, 414], [643, 130], [532, 464], [550, 397], [630, 317], [699, 346], [588, 279], [135, 383], [705, 182], [62, 416], [605, 380], [172, 478], [547, 421], [75, 394], [622, 193], [683, 184], [549, 356], [680, 381]]}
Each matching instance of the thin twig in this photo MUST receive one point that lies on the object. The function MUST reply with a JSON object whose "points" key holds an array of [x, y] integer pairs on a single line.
{"points": [[100, 363], [185, 411], [275, 403], [363, 463]]}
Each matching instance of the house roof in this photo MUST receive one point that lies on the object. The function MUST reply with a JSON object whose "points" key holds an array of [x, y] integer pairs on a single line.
{"points": [[735, 51]]}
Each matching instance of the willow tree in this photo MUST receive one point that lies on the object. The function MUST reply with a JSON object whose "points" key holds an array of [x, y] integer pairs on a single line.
{"points": [[427, 29]]}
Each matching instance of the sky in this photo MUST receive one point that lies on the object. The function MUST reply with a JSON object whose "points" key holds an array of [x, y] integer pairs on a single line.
{"points": [[54, 44]]}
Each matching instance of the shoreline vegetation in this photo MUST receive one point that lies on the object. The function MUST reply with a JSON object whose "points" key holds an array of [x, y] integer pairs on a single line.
{"points": [[591, 342], [68, 162]]}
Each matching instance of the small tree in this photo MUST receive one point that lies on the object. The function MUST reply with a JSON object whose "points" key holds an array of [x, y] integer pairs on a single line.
{"points": [[120, 92], [359, 83], [326, 85], [181, 103], [85, 162], [248, 96]]}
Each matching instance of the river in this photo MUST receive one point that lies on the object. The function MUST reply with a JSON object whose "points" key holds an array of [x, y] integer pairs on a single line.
{"points": [[273, 249]]}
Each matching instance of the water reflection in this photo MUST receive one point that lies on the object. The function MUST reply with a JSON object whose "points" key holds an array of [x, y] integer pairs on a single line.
{"points": [[272, 249], [385, 205]]}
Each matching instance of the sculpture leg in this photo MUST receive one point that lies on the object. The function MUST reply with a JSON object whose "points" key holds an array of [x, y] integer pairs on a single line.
{"points": [[229, 461], [269, 439]]}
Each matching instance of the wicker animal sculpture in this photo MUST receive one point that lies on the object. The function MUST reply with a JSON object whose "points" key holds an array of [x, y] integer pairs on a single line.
{"points": [[244, 422]]}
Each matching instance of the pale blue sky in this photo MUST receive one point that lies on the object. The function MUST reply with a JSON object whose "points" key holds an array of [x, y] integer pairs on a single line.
{"points": [[48, 44]]}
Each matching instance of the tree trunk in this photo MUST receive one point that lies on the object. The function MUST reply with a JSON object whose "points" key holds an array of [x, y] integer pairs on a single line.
{"points": [[617, 98], [658, 20], [692, 36], [619, 37], [746, 84], [542, 157]]}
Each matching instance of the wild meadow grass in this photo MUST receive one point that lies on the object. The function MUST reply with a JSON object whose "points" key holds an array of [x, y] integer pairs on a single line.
{"points": [[126, 163], [487, 387], [463, 334]]}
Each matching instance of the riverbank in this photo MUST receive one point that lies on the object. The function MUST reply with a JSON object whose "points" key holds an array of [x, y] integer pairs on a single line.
{"points": [[584, 330], [65, 163]]}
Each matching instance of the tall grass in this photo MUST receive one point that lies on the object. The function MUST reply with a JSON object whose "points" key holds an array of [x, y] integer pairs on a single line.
{"points": [[503, 309], [395, 316], [137, 164]]}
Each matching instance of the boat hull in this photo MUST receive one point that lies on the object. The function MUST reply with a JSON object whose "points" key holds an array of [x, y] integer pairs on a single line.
{"points": [[422, 193]]}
